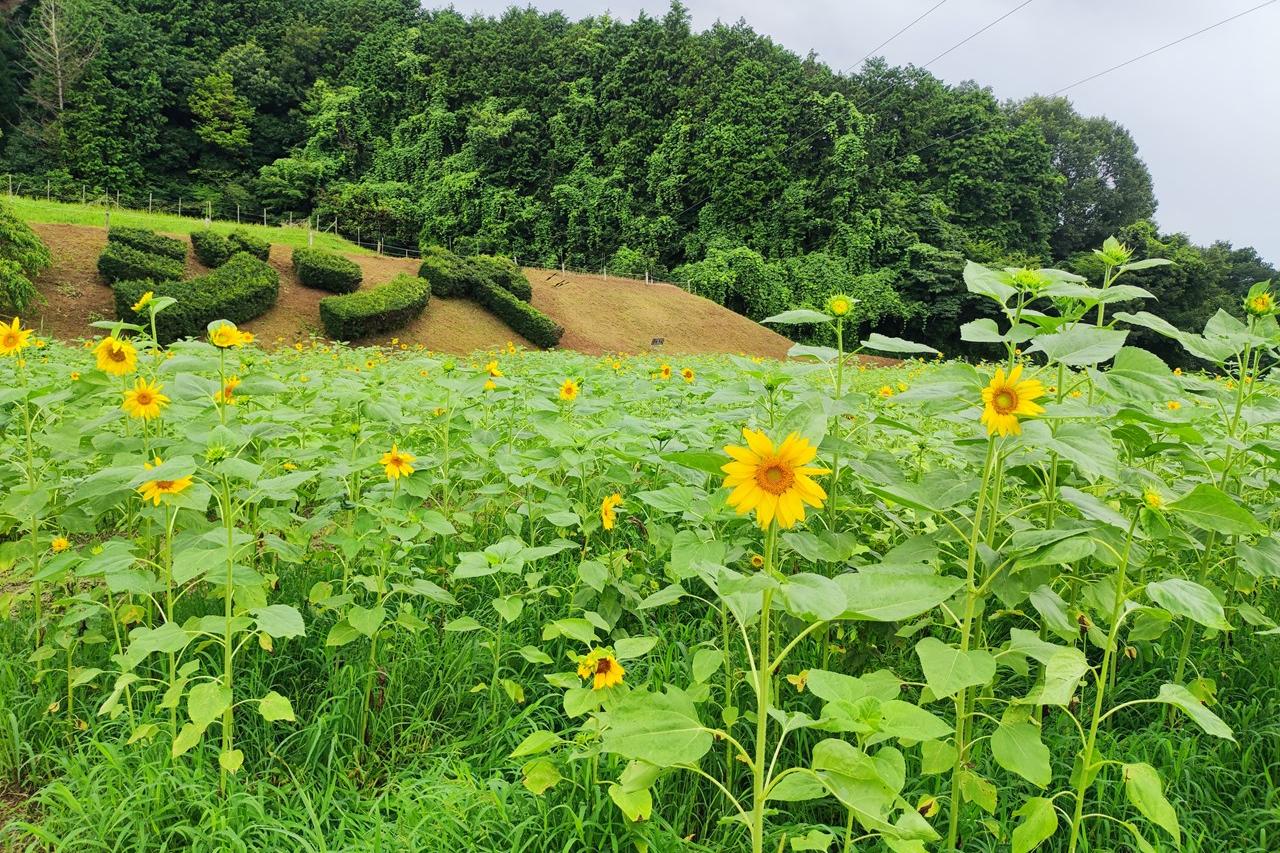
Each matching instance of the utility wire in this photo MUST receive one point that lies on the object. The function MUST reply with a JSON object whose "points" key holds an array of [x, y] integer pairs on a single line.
{"points": [[890, 39], [970, 38]]}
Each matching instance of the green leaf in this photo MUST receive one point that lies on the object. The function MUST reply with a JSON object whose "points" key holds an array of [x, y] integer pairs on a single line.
{"points": [[660, 728], [948, 670], [634, 647], [231, 760], [187, 737], [636, 805], [798, 316], [706, 662], [366, 620], [811, 597], [985, 281], [814, 839], [1017, 748], [889, 595], [463, 624], [1209, 508], [882, 343], [280, 620], [1039, 823], [537, 743], [1142, 784], [275, 708], [540, 775], [1080, 345], [1187, 598], [1183, 699], [206, 702]]}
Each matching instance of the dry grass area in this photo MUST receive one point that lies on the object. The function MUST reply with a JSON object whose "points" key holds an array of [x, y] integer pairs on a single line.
{"points": [[617, 315]]}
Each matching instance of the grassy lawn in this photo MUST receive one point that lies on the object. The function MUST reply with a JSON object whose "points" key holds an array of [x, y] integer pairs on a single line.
{"points": [[36, 210]]}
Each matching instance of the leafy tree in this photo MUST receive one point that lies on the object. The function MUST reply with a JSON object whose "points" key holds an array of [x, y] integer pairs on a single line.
{"points": [[222, 116]]}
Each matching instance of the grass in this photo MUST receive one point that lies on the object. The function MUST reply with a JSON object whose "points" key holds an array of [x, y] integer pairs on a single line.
{"points": [[69, 213]]}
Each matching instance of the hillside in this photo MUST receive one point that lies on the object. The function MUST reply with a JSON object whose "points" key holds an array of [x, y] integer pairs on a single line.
{"points": [[598, 316]]}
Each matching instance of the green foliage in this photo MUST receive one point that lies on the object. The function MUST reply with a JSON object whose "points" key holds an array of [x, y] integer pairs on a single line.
{"points": [[242, 241], [384, 308], [22, 257], [326, 270], [120, 261], [536, 327], [241, 289], [504, 273], [148, 241], [449, 275], [221, 116], [212, 249]]}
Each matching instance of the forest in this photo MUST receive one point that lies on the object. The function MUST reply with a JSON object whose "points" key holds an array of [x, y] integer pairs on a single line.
{"points": [[765, 179]]}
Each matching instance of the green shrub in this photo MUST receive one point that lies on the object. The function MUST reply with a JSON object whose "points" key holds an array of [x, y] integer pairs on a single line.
{"points": [[149, 242], [212, 249], [449, 275], [243, 241], [504, 273], [239, 290], [537, 328], [326, 270], [120, 262], [23, 256], [380, 309]]}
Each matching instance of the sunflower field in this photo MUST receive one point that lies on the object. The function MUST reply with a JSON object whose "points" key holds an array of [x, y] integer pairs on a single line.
{"points": [[335, 599]]}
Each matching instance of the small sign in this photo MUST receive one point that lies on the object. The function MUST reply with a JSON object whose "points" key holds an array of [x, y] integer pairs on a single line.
{"points": [[657, 342]]}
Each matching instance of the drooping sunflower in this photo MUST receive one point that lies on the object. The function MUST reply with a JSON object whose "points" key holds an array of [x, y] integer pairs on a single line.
{"points": [[154, 490], [1007, 399], [116, 356], [607, 506], [144, 400], [490, 385], [13, 338], [775, 482], [687, 375], [601, 667], [397, 463], [493, 369], [143, 301], [225, 335], [569, 390], [227, 395]]}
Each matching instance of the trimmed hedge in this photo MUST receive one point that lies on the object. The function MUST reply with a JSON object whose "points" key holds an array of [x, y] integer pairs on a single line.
{"points": [[241, 289], [149, 242], [450, 276], [120, 262], [380, 309], [212, 249], [326, 270], [537, 328], [504, 273], [243, 241]]}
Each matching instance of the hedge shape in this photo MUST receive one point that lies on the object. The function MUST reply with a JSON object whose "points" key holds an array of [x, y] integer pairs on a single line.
{"points": [[243, 241], [504, 273], [149, 242], [326, 271], [450, 276], [380, 309], [212, 249], [120, 262], [241, 289], [536, 327]]}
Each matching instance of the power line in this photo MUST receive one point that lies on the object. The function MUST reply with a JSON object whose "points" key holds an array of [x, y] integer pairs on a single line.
{"points": [[970, 38], [1178, 41], [890, 39]]}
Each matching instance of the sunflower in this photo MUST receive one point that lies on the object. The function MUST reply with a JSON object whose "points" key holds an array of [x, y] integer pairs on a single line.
{"points": [[1152, 498], [226, 335], [397, 463], [490, 385], [607, 507], [59, 544], [757, 561], [143, 302], [116, 356], [775, 482], [144, 400], [154, 490], [75, 376], [601, 667], [839, 305], [227, 394], [687, 374], [13, 338], [569, 390], [1007, 399], [1173, 405], [664, 372], [1260, 305], [885, 391], [493, 369]]}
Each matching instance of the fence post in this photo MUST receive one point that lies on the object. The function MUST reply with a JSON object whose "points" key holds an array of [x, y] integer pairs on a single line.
{"points": [[561, 266], [335, 225], [47, 190], [264, 216], [117, 198], [148, 202], [379, 245], [606, 272], [291, 219], [82, 193], [108, 217], [208, 213], [237, 213], [311, 235], [11, 185], [357, 235], [646, 276], [179, 205]]}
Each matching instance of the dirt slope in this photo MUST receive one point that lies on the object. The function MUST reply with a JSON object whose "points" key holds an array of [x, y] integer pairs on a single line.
{"points": [[616, 315]]}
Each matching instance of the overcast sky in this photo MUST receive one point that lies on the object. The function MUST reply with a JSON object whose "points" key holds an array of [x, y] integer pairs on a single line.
{"points": [[1205, 113]]}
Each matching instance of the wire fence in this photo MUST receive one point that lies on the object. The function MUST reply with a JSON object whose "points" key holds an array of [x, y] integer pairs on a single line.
{"points": [[209, 210]]}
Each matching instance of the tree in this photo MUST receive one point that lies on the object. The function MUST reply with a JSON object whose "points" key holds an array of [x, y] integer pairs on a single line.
{"points": [[222, 117], [58, 42]]}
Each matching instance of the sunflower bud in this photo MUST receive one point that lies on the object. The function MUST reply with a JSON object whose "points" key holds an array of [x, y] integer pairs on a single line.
{"points": [[840, 305]]}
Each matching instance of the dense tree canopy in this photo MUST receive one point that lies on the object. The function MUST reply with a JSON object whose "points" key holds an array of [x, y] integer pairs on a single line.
{"points": [[764, 178]]}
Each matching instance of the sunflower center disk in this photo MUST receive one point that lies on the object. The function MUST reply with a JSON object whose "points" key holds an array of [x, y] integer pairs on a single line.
{"points": [[775, 476], [1005, 401]]}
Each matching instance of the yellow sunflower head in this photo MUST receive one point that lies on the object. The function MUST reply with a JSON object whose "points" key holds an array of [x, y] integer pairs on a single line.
{"points": [[225, 335], [59, 544], [490, 385], [601, 667], [493, 369], [569, 390], [687, 375], [664, 372], [885, 391], [227, 395], [608, 516], [757, 561], [143, 302], [13, 338], [1173, 405], [1152, 498], [156, 490], [1006, 399], [774, 482], [116, 356], [1260, 304], [840, 305], [144, 400], [397, 463]]}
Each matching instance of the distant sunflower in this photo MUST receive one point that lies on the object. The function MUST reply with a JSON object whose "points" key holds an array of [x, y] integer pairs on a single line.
{"points": [[1007, 399], [687, 375], [225, 335], [143, 301], [569, 390], [144, 400], [116, 356], [607, 506], [493, 369], [664, 372], [227, 395], [59, 544], [397, 463], [775, 482]]}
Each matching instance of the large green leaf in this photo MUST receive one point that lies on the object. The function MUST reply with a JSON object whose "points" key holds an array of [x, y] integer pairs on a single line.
{"points": [[1142, 784], [660, 728], [1039, 823], [1183, 699], [1187, 598], [798, 316], [1079, 345], [883, 343], [948, 670], [1017, 747], [892, 595], [1209, 508]]}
